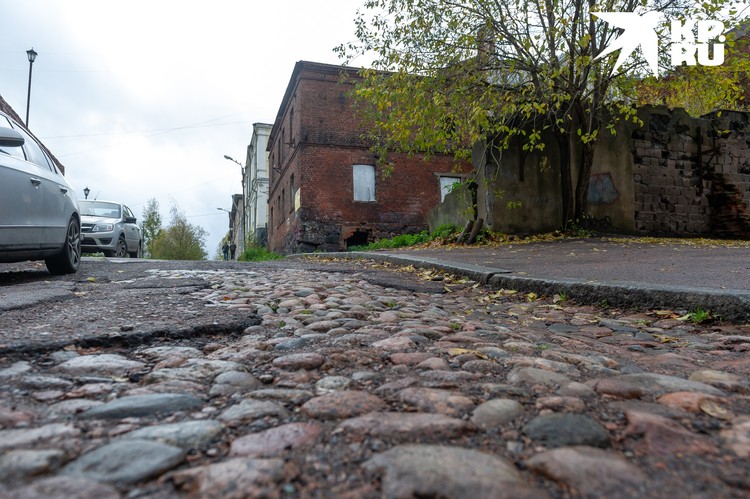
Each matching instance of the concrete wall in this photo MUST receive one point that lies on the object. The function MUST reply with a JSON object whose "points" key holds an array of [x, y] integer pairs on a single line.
{"points": [[456, 209], [525, 188]]}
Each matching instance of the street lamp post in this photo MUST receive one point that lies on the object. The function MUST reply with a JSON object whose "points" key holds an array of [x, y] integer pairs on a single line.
{"points": [[31, 53], [232, 159], [242, 212], [86, 192]]}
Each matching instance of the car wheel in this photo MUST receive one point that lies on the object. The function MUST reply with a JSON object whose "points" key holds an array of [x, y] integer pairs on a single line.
{"points": [[68, 259], [122, 248], [139, 253]]}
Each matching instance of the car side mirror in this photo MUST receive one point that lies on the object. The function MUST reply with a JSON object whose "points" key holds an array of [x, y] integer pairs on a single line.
{"points": [[10, 137], [130, 220]]}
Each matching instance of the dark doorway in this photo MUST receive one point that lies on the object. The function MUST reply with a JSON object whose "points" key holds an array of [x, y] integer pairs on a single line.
{"points": [[358, 238]]}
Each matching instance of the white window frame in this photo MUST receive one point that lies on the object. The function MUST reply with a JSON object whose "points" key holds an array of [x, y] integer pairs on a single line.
{"points": [[446, 182], [363, 183]]}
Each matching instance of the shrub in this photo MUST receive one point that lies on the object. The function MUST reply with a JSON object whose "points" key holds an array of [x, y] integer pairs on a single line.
{"points": [[254, 253], [403, 240]]}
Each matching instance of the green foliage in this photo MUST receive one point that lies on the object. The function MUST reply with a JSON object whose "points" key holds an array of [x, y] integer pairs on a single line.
{"points": [[449, 75], [703, 89], [403, 240], [560, 297], [444, 231], [576, 229], [699, 316], [254, 253], [150, 226], [180, 240], [486, 236], [395, 242]]}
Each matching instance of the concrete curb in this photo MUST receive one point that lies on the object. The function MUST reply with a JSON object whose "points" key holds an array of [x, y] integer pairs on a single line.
{"points": [[478, 273], [729, 305]]}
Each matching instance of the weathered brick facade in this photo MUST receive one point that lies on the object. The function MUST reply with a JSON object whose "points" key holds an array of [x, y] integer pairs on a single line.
{"points": [[315, 142], [692, 176]]}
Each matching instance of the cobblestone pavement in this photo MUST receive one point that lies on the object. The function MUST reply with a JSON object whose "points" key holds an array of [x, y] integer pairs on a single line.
{"points": [[344, 388]]}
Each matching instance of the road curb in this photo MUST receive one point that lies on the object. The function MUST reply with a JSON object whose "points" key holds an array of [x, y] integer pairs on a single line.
{"points": [[478, 273], [729, 305]]}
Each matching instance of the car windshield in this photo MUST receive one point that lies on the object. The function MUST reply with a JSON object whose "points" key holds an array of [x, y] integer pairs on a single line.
{"points": [[99, 209]]}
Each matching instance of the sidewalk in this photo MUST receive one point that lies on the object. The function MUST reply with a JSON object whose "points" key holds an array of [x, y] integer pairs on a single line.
{"points": [[598, 270]]}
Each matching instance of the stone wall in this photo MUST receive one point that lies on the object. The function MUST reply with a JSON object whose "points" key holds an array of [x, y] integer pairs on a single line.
{"points": [[692, 176], [675, 175]]}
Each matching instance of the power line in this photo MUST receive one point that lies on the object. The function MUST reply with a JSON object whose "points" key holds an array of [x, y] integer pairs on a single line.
{"points": [[155, 131]]}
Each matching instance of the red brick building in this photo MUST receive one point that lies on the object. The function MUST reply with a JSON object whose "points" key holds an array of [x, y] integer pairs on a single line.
{"points": [[326, 191]]}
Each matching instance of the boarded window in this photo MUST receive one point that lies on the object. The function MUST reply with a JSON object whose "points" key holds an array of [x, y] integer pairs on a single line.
{"points": [[364, 183], [446, 185]]}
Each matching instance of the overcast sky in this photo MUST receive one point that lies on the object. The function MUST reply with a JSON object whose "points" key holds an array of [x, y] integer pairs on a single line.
{"points": [[142, 99]]}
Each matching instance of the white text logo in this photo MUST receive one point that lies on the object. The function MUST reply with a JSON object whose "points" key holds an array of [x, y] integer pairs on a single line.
{"points": [[640, 30]]}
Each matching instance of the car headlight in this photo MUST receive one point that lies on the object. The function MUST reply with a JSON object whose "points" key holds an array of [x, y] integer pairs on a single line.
{"points": [[103, 228]]}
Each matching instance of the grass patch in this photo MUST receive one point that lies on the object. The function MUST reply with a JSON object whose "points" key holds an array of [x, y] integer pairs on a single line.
{"points": [[441, 233], [699, 316], [258, 254]]}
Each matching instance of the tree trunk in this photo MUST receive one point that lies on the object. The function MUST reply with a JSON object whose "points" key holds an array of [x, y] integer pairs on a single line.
{"points": [[584, 175], [566, 182], [475, 231], [465, 233]]}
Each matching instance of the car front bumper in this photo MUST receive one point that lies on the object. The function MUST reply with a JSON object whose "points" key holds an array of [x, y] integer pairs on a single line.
{"points": [[97, 241]]}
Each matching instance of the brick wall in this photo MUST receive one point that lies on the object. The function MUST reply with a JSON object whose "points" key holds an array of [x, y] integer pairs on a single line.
{"points": [[317, 139], [692, 176]]}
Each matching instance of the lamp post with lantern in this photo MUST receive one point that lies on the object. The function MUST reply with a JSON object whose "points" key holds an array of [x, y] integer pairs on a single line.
{"points": [[31, 53]]}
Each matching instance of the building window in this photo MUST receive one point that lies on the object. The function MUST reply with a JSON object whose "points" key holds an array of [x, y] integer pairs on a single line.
{"points": [[446, 185], [291, 127], [364, 183], [291, 192], [281, 210]]}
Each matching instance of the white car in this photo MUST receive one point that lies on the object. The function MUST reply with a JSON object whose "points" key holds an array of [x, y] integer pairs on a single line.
{"points": [[38, 209], [110, 227]]}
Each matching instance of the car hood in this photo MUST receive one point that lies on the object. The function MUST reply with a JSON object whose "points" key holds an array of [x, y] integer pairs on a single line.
{"points": [[95, 220]]}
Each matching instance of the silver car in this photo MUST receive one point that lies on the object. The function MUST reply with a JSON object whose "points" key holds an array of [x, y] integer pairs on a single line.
{"points": [[38, 209], [111, 228]]}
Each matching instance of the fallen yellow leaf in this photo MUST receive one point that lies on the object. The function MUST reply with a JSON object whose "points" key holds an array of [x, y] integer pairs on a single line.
{"points": [[714, 409]]}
